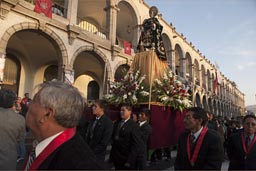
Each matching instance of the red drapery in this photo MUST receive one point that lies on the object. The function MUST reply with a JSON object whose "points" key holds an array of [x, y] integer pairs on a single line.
{"points": [[167, 125], [44, 6], [127, 47]]}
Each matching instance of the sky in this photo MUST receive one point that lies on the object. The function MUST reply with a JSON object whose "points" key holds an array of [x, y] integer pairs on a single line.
{"points": [[223, 31]]}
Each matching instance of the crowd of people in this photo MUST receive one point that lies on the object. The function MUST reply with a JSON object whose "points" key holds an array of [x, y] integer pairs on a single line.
{"points": [[65, 139]]}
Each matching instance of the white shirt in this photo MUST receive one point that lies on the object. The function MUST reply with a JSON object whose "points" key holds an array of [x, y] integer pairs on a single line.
{"points": [[98, 118], [141, 123], [43, 144], [197, 133]]}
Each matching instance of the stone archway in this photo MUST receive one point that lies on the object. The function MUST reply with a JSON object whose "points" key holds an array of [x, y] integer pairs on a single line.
{"points": [[90, 64], [27, 41], [33, 26], [98, 52]]}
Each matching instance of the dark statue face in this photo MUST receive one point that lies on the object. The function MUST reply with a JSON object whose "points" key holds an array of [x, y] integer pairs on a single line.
{"points": [[153, 11]]}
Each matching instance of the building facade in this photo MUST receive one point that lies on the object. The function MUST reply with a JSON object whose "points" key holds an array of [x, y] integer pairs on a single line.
{"points": [[83, 42]]}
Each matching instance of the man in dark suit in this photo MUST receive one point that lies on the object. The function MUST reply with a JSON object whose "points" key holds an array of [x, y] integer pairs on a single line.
{"points": [[241, 146], [199, 148], [127, 142], [145, 130], [52, 117], [99, 131]]}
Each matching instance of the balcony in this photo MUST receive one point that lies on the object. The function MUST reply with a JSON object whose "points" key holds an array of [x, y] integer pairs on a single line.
{"points": [[85, 25], [58, 7]]}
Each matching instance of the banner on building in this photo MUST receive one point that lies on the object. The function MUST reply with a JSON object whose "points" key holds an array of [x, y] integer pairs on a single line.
{"points": [[44, 7], [127, 47]]}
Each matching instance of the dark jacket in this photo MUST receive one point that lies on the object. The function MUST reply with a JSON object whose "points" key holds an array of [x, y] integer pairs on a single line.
{"points": [[74, 154], [100, 137], [145, 130], [237, 156], [210, 154], [127, 144]]}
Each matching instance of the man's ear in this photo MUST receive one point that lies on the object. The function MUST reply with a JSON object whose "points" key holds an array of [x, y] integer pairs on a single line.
{"points": [[201, 121], [50, 113]]}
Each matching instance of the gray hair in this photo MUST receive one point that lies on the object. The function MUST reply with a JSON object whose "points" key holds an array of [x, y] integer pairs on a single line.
{"points": [[64, 99]]}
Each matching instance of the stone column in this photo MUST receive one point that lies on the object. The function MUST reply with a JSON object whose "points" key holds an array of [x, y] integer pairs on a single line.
{"points": [[111, 11], [183, 63], [173, 60], [72, 11], [2, 63]]}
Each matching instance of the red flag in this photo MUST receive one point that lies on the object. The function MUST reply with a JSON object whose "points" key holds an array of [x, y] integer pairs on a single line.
{"points": [[127, 47], [215, 85], [44, 6]]}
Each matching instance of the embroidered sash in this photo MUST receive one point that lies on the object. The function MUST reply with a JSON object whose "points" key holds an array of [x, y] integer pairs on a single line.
{"points": [[247, 150], [54, 144], [197, 147]]}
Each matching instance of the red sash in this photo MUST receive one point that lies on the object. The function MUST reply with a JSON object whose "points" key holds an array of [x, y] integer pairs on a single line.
{"points": [[197, 148], [54, 144], [247, 151]]}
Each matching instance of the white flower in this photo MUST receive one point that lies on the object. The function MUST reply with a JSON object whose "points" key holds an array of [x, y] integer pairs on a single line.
{"points": [[170, 74], [158, 82], [125, 96], [129, 93], [144, 93], [134, 98], [164, 98], [165, 76]]}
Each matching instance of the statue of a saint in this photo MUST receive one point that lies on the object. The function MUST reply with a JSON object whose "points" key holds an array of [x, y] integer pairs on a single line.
{"points": [[151, 35]]}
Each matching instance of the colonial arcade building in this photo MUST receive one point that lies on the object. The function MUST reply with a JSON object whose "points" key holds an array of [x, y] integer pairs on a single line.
{"points": [[83, 43]]}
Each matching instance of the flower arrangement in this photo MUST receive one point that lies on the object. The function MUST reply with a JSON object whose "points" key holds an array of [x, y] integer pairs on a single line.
{"points": [[171, 92], [129, 89]]}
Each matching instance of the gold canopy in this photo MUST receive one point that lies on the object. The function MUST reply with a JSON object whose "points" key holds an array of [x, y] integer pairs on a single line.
{"points": [[148, 64]]}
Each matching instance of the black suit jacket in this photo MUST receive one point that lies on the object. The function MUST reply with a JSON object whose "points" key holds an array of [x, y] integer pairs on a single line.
{"points": [[74, 154], [127, 144], [210, 154], [99, 138], [237, 156], [145, 130]]}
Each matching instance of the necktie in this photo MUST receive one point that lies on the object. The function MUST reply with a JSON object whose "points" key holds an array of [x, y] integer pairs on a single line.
{"points": [[247, 142], [122, 124], [192, 143], [94, 124], [192, 138], [119, 126], [93, 127], [31, 158]]}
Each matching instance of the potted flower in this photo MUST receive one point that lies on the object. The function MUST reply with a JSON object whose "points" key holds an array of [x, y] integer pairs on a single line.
{"points": [[129, 90], [171, 92]]}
